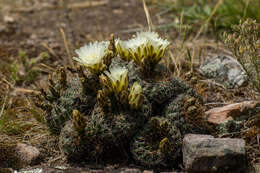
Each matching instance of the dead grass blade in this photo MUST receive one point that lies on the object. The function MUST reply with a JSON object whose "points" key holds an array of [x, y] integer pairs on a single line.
{"points": [[148, 17], [47, 67], [66, 47], [175, 60], [3, 106], [77, 5], [209, 18], [28, 91]]}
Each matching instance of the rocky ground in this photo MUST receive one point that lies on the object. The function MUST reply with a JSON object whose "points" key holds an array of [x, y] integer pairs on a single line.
{"points": [[38, 36]]}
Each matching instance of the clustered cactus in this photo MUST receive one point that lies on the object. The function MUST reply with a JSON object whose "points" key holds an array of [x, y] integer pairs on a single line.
{"points": [[108, 103]]}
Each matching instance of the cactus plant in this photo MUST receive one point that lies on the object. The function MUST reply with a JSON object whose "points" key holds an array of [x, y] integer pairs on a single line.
{"points": [[109, 102]]}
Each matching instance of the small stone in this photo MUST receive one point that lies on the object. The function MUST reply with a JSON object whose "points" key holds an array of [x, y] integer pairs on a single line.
{"points": [[129, 170], [230, 112], [147, 171], [206, 154], [28, 154], [225, 70], [8, 19], [256, 167], [172, 172]]}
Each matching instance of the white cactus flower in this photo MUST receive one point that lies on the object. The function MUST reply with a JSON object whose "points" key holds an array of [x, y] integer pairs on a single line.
{"points": [[119, 79], [92, 56], [148, 34], [154, 39]]}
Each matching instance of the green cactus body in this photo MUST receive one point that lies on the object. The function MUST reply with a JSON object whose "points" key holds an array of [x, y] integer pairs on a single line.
{"points": [[71, 143], [178, 109], [103, 130], [116, 127], [61, 109], [158, 144]]}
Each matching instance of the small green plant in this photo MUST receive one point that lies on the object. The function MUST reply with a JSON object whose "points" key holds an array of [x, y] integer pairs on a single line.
{"points": [[245, 45], [45, 55], [217, 13], [231, 12], [24, 69], [14, 72]]}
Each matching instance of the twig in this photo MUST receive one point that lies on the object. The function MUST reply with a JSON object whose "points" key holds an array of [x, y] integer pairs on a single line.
{"points": [[87, 4], [3, 106], [27, 90], [215, 103], [7, 82], [47, 67], [50, 50]]}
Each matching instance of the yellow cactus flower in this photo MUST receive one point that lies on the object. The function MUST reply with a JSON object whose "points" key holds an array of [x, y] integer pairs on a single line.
{"points": [[146, 49], [135, 97], [125, 48], [118, 77]]}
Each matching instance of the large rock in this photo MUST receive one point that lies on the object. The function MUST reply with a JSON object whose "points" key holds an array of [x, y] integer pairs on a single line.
{"points": [[204, 153], [225, 70]]}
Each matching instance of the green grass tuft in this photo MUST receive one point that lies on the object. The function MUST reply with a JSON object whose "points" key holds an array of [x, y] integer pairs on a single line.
{"points": [[228, 13]]}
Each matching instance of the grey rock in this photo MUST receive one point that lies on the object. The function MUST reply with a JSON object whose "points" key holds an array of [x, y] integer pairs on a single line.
{"points": [[28, 154], [225, 70], [128, 170], [204, 153]]}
